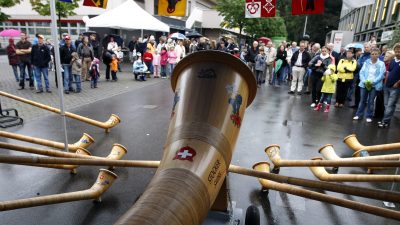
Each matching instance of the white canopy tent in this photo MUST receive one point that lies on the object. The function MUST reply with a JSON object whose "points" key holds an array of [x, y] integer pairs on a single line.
{"points": [[130, 16]]}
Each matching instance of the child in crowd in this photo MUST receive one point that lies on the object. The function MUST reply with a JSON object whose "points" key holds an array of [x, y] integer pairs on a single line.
{"points": [[139, 68], [260, 60], [76, 64], [94, 75], [96, 62], [148, 60], [328, 88], [156, 64], [163, 62], [114, 67], [172, 57]]}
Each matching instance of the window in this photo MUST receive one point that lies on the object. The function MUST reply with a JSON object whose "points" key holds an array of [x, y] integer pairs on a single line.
{"points": [[73, 24], [367, 17], [22, 23], [31, 31], [73, 32], [64, 24], [42, 24], [384, 12], [44, 31], [31, 24]]}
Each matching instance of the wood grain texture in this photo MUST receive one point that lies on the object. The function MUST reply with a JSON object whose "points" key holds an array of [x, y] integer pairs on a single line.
{"points": [[354, 144]]}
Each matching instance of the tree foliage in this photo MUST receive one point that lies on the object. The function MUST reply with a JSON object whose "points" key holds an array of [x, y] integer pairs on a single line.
{"points": [[7, 4], [317, 26], [233, 12], [396, 38], [63, 9]]}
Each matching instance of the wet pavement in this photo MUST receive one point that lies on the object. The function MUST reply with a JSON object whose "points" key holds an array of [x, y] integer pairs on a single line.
{"points": [[273, 118]]}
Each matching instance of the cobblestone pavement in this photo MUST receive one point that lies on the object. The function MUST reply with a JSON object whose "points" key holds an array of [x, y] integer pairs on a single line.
{"points": [[105, 90]]}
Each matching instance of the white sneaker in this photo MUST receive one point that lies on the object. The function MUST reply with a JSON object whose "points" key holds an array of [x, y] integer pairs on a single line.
{"points": [[313, 105], [369, 120], [356, 118]]}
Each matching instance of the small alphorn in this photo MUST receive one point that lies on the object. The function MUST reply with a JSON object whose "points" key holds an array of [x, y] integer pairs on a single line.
{"points": [[328, 153], [110, 123], [267, 184], [85, 141], [339, 188], [103, 182], [117, 152], [273, 152], [354, 144], [322, 174]]}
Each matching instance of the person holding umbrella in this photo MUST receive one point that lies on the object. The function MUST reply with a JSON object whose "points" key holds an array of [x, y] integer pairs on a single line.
{"points": [[13, 59]]}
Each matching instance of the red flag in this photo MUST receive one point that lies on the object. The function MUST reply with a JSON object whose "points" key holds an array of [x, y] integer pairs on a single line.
{"points": [[260, 8], [301, 7], [96, 3]]}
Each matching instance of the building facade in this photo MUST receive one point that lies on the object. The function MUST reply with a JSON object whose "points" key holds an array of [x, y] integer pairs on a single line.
{"points": [[378, 19]]}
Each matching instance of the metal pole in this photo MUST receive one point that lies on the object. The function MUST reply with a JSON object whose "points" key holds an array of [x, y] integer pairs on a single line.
{"points": [[58, 70], [305, 26]]}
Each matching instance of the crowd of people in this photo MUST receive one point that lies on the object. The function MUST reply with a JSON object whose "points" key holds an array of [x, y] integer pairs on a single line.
{"points": [[371, 74]]}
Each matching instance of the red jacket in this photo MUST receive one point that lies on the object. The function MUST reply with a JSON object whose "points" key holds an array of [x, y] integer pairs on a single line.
{"points": [[147, 57], [12, 55], [164, 58]]}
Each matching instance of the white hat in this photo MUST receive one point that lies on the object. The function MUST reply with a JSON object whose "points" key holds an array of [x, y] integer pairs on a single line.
{"points": [[139, 54]]}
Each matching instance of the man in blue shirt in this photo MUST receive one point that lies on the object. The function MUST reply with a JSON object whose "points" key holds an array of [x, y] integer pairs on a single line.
{"points": [[391, 88]]}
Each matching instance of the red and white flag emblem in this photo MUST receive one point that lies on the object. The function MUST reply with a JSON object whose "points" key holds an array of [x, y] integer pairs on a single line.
{"points": [[185, 153]]}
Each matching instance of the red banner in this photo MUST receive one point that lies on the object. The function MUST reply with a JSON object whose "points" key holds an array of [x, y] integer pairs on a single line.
{"points": [[260, 8], [301, 7], [96, 3]]}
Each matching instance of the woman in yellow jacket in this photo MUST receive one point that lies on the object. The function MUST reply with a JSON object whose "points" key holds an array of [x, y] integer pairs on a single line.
{"points": [[345, 69], [328, 88]]}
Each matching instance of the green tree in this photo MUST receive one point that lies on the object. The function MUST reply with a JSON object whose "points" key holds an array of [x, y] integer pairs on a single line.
{"points": [[396, 38], [233, 13], [317, 26], [7, 4], [63, 9], [269, 27]]}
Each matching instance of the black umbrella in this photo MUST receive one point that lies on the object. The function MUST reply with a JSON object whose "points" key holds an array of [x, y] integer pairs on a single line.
{"points": [[117, 39], [194, 34], [90, 32]]}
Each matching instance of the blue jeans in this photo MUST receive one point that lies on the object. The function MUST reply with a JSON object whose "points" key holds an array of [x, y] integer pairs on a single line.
{"points": [[278, 76], [326, 97], [77, 81], [67, 76], [23, 74], [171, 68], [15, 70], [370, 96], [38, 77], [306, 77], [259, 76], [391, 96], [93, 82], [163, 70]]}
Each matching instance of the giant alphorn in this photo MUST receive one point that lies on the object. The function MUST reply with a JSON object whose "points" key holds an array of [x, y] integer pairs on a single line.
{"points": [[267, 184], [85, 141], [354, 144], [103, 182], [334, 187], [273, 152], [117, 152], [322, 174], [110, 123]]}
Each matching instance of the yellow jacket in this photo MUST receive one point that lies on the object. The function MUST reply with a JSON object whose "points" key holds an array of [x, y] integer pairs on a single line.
{"points": [[350, 65], [329, 80]]}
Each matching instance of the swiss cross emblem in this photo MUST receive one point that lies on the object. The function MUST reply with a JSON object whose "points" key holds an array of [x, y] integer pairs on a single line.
{"points": [[185, 153]]}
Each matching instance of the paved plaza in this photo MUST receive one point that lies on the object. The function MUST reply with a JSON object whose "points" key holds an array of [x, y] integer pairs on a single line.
{"points": [[273, 118]]}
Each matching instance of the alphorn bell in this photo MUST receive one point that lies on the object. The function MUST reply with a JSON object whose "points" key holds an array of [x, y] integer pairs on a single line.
{"points": [[271, 185], [110, 123], [322, 174], [354, 144], [273, 152], [103, 182], [85, 141], [328, 153], [117, 152], [334, 187], [212, 90]]}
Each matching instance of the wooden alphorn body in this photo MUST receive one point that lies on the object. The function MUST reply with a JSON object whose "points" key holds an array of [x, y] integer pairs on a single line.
{"points": [[273, 152], [271, 185], [110, 123], [85, 141], [212, 90], [103, 182]]}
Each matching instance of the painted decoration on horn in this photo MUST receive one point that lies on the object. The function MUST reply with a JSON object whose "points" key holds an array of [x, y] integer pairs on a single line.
{"points": [[236, 103], [185, 153]]}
